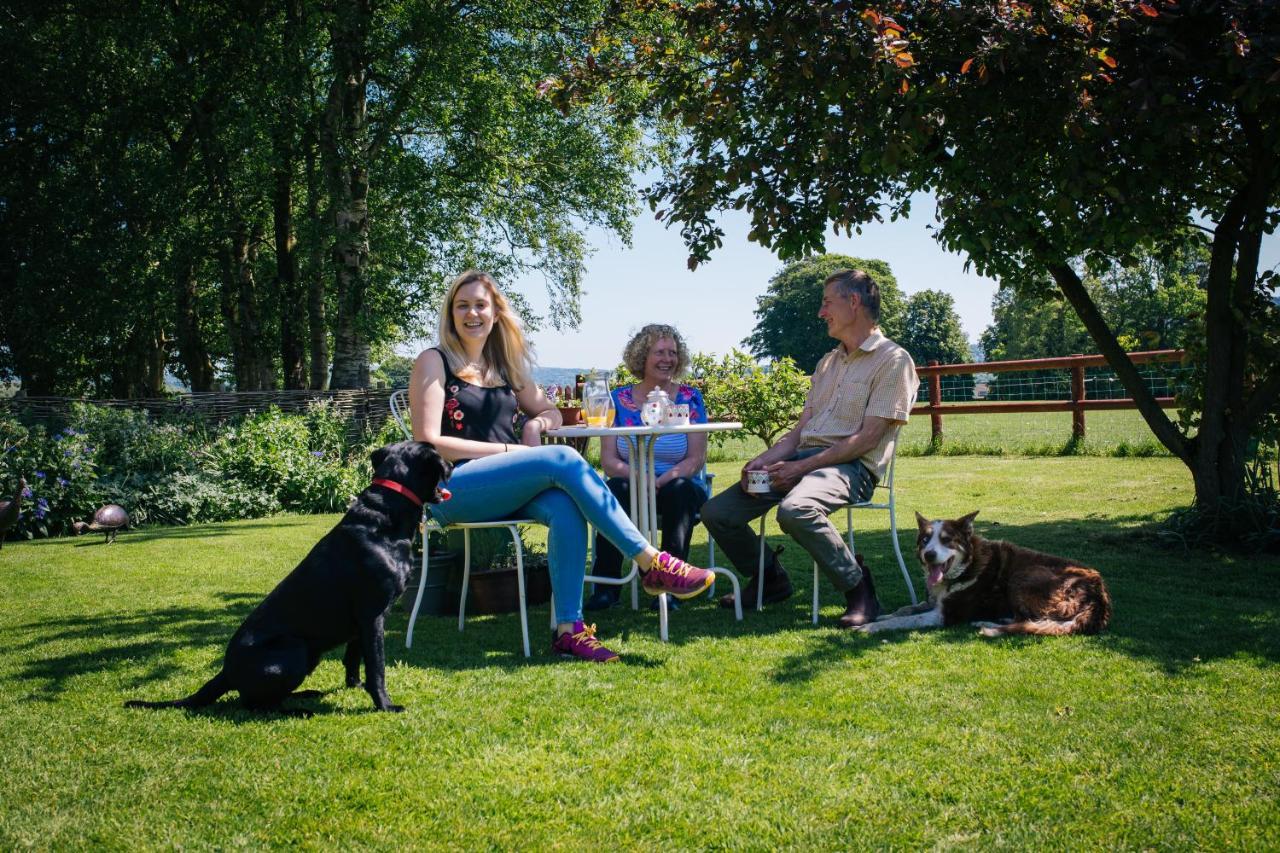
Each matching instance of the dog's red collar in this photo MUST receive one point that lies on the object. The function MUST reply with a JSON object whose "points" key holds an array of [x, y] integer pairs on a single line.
{"points": [[396, 487]]}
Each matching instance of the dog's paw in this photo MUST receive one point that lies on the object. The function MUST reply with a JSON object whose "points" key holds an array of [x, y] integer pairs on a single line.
{"points": [[394, 709]]}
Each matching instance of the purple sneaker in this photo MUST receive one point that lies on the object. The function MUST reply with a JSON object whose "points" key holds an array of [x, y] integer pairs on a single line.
{"points": [[675, 577], [581, 642]]}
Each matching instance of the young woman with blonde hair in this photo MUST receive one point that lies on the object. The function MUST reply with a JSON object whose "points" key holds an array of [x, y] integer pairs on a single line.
{"points": [[464, 395]]}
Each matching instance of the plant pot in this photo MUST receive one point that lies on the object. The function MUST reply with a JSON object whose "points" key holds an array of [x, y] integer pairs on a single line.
{"points": [[437, 598], [571, 415], [496, 591]]}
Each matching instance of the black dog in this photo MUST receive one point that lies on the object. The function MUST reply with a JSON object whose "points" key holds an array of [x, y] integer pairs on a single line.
{"points": [[339, 593]]}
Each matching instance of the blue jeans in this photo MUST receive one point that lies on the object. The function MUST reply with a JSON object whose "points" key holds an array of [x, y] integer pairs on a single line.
{"points": [[554, 485]]}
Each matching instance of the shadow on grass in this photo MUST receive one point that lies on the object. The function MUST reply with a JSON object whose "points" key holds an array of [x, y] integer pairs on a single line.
{"points": [[1174, 609], [126, 640], [1171, 608]]}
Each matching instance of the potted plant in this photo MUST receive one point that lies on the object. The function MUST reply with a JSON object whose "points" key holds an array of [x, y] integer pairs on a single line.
{"points": [[437, 600], [493, 587]]}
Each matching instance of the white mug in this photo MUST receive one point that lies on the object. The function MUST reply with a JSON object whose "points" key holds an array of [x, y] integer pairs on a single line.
{"points": [[678, 414], [758, 482]]}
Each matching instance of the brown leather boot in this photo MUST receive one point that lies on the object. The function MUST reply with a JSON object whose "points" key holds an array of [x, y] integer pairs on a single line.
{"points": [[861, 604]]}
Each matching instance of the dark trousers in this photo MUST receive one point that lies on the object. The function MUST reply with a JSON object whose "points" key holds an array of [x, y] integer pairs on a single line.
{"points": [[678, 504]]}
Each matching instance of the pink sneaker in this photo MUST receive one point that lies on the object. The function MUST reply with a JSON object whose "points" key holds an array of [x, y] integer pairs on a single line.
{"points": [[675, 577], [581, 642]]}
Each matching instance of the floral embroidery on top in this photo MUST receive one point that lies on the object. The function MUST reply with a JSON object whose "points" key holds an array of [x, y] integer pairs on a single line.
{"points": [[452, 410]]}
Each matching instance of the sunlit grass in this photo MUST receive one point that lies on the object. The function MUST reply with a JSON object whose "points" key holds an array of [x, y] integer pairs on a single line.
{"points": [[1162, 733]]}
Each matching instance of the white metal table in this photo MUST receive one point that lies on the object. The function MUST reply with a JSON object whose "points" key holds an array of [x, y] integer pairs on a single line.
{"points": [[644, 493]]}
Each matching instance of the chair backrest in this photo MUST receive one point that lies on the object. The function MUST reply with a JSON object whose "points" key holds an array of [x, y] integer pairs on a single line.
{"points": [[399, 403], [892, 456]]}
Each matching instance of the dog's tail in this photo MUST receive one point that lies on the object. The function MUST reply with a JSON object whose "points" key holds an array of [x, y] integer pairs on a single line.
{"points": [[213, 690], [1085, 596]]}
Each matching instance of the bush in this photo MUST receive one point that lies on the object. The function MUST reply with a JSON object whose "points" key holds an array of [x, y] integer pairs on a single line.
{"points": [[60, 469], [182, 470], [295, 458], [767, 401]]}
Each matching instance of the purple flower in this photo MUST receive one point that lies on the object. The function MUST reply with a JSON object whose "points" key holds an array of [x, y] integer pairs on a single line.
{"points": [[39, 475], [317, 453], [42, 508], [62, 481], [26, 493], [66, 453]]}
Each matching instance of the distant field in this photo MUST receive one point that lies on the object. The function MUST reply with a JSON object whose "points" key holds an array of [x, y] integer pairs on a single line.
{"points": [[1122, 433]]}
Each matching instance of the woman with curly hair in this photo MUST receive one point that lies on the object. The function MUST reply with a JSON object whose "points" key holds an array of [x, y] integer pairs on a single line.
{"points": [[659, 356], [463, 396]]}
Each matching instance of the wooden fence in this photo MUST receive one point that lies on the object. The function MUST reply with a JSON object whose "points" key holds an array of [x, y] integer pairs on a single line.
{"points": [[1076, 401], [364, 408]]}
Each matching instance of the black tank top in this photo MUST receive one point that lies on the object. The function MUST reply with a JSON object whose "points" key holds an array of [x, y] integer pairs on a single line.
{"points": [[477, 413]]}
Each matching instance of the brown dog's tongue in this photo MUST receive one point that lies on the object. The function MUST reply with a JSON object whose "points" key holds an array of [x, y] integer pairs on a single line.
{"points": [[935, 574]]}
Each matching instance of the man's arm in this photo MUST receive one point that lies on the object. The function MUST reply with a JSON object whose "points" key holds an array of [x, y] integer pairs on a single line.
{"points": [[784, 447], [783, 476]]}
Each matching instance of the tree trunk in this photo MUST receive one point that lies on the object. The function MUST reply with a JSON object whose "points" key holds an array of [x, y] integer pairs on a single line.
{"points": [[316, 320], [191, 348], [288, 128], [292, 315], [344, 152], [251, 359], [1217, 455]]}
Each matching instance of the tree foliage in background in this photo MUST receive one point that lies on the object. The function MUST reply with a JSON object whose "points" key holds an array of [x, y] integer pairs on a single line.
{"points": [[766, 400], [931, 329], [787, 324], [258, 194], [1055, 134], [1156, 302]]}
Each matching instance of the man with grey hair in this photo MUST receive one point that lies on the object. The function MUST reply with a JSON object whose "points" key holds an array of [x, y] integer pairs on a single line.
{"points": [[835, 454]]}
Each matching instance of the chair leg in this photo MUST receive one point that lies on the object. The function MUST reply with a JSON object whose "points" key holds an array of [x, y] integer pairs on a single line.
{"points": [[760, 569], [711, 565], [815, 592], [897, 549], [422, 586], [466, 575], [524, 612]]}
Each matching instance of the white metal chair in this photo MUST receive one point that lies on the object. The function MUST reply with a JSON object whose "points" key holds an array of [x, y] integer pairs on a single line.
{"points": [[870, 503], [399, 410]]}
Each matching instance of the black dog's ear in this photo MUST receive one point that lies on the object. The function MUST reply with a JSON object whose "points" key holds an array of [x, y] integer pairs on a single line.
{"points": [[967, 521], [379, 456], [922, 522]]}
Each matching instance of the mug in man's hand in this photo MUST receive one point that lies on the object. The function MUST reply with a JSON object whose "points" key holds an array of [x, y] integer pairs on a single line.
{"points": [[758, 482]]}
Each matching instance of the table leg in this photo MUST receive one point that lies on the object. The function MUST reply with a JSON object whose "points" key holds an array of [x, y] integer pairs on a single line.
{"points": [[632, 472]]}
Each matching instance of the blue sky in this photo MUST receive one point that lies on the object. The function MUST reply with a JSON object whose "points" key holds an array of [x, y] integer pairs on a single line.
{"points": [[624, 288]]}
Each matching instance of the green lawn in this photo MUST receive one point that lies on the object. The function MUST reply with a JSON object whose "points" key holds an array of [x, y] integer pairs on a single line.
{"points": [[1163, 733]]}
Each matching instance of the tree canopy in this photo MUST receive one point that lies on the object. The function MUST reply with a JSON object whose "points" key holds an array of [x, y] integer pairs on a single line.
{"points": [[257, 193], [787, 324], [931, 329], [1057, 135]]}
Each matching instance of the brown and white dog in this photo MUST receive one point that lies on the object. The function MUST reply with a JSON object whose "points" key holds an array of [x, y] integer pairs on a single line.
{"points": [[999, 587]]}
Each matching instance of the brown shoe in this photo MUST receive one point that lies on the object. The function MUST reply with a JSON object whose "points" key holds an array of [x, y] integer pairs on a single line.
{"points": [[777, 587], [861, 604]]}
